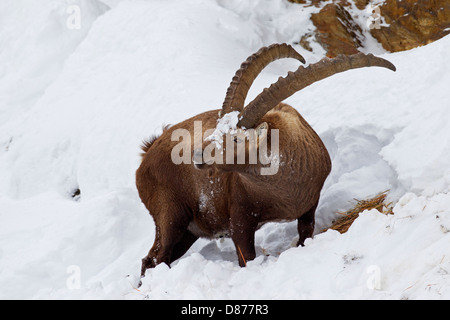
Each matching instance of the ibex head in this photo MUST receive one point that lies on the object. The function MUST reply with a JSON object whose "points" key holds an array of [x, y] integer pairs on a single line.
{"points": [[242, 128], [233, 149]]}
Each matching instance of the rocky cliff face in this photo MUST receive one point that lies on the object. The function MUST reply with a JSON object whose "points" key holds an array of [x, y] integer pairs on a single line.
{"points": [[343, 25], [412, 23], [336, 30]]}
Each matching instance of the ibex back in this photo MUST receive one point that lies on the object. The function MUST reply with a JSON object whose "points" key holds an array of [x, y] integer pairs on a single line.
{"points": [[218, 194]]}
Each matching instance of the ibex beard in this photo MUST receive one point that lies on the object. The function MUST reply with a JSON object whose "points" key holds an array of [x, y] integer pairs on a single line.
{"points": [[209, 176]]}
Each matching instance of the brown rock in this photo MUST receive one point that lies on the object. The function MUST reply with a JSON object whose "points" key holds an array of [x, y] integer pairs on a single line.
{"points": [[408, 24], [304, 42], [412, 23], [308, 2], [361, 4], [336, 30], [318, 3]]}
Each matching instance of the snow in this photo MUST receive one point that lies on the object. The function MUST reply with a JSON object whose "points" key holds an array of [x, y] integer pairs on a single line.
{"points": [[332, 265], [75, 105], [227, 124]]}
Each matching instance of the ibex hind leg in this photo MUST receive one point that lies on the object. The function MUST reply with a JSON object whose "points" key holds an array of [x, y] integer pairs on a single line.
{"points": [[151, 260], [172, 240], [183, 245], [305, 225]]}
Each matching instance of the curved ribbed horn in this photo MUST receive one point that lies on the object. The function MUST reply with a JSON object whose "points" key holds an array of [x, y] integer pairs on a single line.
{"points": [[249, 70], [301, 78]]}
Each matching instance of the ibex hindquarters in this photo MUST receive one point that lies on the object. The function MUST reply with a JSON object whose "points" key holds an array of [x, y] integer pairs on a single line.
{"points": [[222, 198]]}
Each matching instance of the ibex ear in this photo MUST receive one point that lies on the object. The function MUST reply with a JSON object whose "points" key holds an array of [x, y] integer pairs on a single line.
{"points": [[261, 131]]}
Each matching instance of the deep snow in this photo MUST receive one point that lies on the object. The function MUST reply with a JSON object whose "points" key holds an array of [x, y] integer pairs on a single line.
{"points": [[75, 105]]}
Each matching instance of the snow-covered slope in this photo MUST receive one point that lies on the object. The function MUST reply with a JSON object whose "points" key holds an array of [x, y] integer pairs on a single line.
{"points": [[76, 103]]}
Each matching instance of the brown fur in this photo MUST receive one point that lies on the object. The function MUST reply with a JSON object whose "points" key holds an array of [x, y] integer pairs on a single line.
{"points": [[146, 144], [231, 200]]}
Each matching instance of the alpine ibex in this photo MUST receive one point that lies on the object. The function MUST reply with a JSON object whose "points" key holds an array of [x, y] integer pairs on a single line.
{"points": [[231, 198]]}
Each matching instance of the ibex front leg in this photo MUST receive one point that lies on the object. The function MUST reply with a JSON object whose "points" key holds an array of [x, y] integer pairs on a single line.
{"points": [[305, 225], [243, 228]]}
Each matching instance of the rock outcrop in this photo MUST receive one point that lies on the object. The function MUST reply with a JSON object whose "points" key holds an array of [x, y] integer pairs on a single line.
{"points": [[412, 23], [336, 30], [396, 24]]}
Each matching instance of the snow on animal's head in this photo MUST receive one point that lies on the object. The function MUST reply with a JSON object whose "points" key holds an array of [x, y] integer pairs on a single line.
{"points": [[228, 147]]}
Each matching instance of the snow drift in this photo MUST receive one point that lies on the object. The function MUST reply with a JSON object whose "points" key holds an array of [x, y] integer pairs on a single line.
{"points": [[75, 105]]}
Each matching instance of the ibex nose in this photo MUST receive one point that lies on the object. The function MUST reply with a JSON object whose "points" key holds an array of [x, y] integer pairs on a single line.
{"points": [[197, 156]]}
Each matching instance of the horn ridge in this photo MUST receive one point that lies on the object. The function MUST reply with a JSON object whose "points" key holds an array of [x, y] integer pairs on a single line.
{"points": [[301, 78], [249, 70]]}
